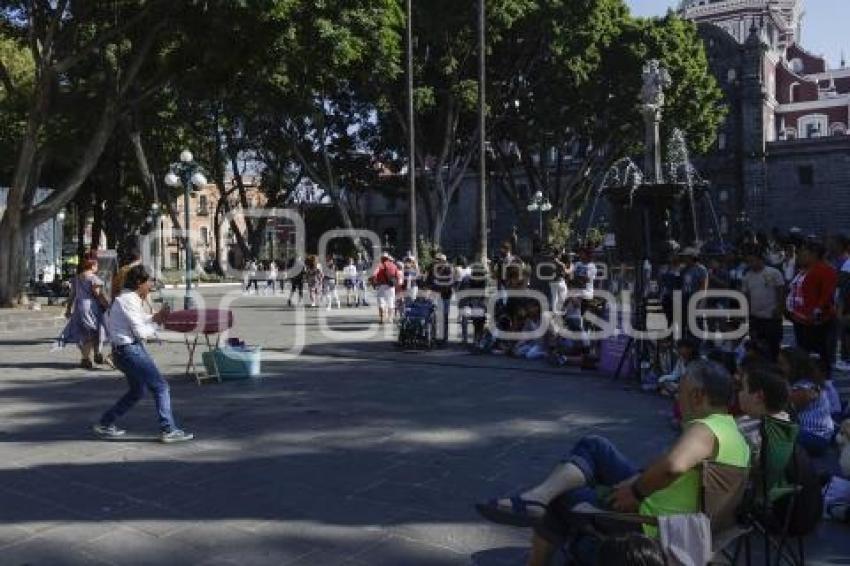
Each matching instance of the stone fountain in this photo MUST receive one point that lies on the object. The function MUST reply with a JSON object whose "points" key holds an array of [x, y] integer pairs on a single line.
{"points": [[655, 211]]}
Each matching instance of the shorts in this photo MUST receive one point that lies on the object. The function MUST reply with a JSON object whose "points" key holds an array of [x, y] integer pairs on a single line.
{"points": [[386, 296]]}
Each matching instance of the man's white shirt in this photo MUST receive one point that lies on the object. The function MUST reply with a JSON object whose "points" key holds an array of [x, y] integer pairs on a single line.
{"points": [[128, 322]]}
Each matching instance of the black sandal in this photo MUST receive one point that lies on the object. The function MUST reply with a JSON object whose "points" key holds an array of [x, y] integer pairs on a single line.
{"points": [[516, 516]]}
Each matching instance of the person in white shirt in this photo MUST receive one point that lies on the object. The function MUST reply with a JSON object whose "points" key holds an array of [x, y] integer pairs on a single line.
{"points": [[764, 287], [129, 326], [349, 279], [271, 278]]}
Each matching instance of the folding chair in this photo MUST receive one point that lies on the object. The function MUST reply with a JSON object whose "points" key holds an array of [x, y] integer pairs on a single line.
{"points": [[772, 490], [722, 492]]}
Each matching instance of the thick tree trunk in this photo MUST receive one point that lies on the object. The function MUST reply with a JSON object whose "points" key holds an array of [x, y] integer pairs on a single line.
{"points": [[11, 260]]}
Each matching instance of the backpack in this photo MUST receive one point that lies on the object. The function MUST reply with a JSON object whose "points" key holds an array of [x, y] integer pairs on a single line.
{"points": [[808, 503], [391, 280]]}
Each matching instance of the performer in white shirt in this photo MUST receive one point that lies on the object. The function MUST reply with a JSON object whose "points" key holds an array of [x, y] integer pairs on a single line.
{"points": [[129, 326]]}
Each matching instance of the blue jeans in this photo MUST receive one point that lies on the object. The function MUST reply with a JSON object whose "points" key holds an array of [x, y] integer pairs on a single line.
{"points": [[602, 465], [141, 372]]}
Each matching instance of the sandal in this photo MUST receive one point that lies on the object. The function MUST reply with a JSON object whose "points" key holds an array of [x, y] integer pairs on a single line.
{"points": [[517, 515]]}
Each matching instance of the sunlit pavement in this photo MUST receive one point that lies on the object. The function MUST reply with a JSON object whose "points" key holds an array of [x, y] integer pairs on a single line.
{"points": [[348, 452]]}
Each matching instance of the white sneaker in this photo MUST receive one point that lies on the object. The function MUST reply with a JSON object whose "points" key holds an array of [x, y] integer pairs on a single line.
{"points": [[110, 431], [176, 435]]}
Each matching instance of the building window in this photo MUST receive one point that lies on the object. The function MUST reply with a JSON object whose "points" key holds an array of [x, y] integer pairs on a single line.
{"points": [[812, 126], [793, 92], [205, 235], [797, 65], [838, 129], [790, 133], [807, 175], [721, 141], [732, 75]]}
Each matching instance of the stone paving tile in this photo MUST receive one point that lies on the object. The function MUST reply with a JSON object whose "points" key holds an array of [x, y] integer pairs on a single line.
{"points": [[11, 534], [395, 551], [42, 551], [128, 547]]}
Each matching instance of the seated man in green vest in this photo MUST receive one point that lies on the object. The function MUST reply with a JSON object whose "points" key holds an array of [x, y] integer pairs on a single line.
{"points": [[669, 486]]}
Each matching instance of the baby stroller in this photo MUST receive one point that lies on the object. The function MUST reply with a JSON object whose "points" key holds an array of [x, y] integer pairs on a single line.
{"points": [[418, 325]]}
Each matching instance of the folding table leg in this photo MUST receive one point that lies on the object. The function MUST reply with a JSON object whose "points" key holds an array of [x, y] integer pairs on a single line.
{"points": [[211, 349], [190, 364]]}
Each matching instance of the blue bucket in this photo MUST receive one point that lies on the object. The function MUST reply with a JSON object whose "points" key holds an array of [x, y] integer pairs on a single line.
{"points": [[232, 363]]}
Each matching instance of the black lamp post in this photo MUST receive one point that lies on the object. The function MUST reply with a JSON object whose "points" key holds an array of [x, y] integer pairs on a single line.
{"points": [[153, 220], [57, 269], [186, 174], [539, 204]]}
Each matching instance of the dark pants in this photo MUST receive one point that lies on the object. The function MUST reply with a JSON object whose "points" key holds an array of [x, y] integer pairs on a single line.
{"points": [[818, 339], [252, 282], [297, 285], [141, 373], [446, 303], [815, 445], [767, 331], [844, 338]]}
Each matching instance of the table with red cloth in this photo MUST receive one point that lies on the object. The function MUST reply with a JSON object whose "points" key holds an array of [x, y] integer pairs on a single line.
{"points": [[198, 322]]}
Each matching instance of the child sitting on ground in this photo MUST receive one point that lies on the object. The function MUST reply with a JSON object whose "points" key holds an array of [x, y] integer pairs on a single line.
{"points": [[809, 401], [530, 348], [688, 352]]}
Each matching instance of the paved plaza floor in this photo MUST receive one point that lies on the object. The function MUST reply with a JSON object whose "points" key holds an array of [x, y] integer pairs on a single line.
{"points": [[346, 453]]}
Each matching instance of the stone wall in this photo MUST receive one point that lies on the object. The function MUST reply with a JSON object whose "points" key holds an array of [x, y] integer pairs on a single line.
{"points": [[821, 207]]}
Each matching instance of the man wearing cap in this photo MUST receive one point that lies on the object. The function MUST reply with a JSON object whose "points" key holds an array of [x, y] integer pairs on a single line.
{"points": [[385, 278]]}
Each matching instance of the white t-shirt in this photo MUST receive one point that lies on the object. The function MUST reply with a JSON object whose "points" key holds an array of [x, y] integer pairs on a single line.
{"points": [[349, 272], [761, 288], [127, 321], [789, 269]]}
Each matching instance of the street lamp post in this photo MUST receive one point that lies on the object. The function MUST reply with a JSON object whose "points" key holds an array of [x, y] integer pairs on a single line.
{"points": [[411, 135], [185, 174], [482, 134], [153, 221], [57, 269], [539, 204]]}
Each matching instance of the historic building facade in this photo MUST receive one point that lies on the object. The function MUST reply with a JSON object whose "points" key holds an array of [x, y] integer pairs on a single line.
{"points": [[782, 154]]}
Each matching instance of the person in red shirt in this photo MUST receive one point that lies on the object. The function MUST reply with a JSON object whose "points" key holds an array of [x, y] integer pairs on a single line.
{"points": [[384, 279], [811, 302]]}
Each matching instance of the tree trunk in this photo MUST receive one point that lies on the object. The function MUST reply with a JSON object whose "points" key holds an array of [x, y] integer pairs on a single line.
{"points": [[97, 219], [11, 260]]}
